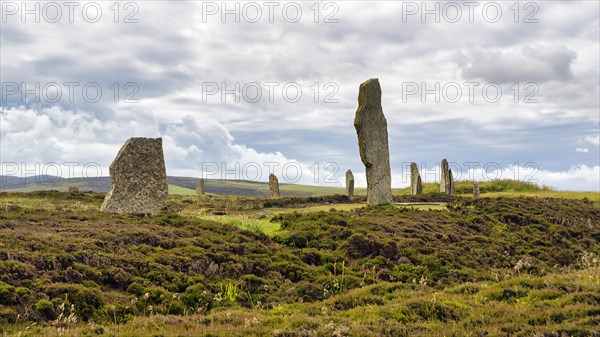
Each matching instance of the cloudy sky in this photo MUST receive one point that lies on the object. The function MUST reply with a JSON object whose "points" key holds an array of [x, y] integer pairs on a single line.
{"points": [[235, 90]]}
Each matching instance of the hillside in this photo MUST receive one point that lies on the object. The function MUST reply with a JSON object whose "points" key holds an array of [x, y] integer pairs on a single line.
{"points": [[299, 266], [187, 185], [178, 185]]}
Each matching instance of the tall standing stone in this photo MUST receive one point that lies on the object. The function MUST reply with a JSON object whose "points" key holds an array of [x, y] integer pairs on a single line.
{"points": [[349, 184], [139, 178], [450, 185], [371, 128], [476, 190], [273, 186], [416, 186], [200, 187], [444, 177]]}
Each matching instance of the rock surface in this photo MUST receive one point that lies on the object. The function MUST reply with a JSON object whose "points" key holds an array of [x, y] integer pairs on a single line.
{"points": [[200, 187], [476, 192], [273, 186], [416, 186], [139, 178], [349, 184], [444, 177], [371, 128]]}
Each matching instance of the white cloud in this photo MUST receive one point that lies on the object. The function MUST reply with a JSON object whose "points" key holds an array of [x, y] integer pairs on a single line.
{"points": [[595, 140], [582, 149], [35, 140], [577, 178], [538, 63], [196, 147], [206, 148], [170, 52]]}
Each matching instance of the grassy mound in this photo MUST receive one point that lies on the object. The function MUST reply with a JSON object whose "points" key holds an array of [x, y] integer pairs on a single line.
{"points": [[491, 266]]}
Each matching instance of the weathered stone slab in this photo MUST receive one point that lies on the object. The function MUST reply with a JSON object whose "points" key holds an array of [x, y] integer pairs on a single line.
{"points": [[416, 186], [139, 178], [349, 184], [200, 187], [371, 129], [274, 186], [476, 192], [444, 178]]}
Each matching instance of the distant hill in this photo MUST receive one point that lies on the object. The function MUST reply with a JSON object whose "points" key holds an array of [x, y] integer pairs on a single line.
{"points": [[177, 185], [39, 183], [187, 185]]}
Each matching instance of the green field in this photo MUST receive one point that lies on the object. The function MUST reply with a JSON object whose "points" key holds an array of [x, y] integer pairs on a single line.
{"points": [[501, 265], [178, 190]]}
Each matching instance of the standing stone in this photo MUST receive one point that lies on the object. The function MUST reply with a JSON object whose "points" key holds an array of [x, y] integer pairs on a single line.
{"points": [[139, 178], [476, 190], [450, 185], [349, 184], [200, 189], [444, 177], [416, 186], [274, 186], [371, 128]]}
